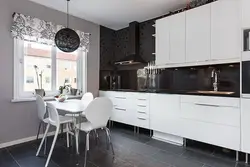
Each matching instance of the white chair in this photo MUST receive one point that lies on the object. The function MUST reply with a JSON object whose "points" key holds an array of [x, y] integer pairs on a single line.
{"points": [[41, 111], [87, 98], [97, 114], [55, 120]]}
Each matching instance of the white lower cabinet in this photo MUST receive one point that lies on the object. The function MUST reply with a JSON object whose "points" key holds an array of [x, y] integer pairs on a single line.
{"points": [[129, 107], [213, 120], [245, 125], [164, 114]]}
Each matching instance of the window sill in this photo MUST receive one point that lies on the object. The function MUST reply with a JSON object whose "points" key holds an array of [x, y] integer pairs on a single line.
{"points": [[45, 98]]}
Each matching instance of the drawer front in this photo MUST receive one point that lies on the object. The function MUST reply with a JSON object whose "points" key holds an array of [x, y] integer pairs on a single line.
{"points": [[213, 114], [215, 134], [142, 122], [213, 101], [142, 109], [142, 115], [142, 102]]}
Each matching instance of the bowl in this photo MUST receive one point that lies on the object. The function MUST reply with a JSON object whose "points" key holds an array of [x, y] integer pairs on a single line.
{"points": [[61, 98]]}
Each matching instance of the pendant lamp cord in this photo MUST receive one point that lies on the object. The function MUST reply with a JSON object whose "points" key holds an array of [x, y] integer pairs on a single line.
{"points": [[68, 13]]}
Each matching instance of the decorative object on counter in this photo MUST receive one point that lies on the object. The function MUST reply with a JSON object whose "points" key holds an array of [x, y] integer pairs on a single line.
{"points": [[246, 43], [73, 91], [214, 75], [61, 98], [39, 77], [65, 89], [67, 40], [153, 76]]}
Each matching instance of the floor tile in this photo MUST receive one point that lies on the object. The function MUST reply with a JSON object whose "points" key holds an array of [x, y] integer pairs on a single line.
{"points": [[6, 159], [25, 155], [208, 159], [130, 151], [176, 160], [166, 146]]}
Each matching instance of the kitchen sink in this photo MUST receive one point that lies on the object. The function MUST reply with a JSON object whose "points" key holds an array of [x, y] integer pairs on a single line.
{"points": [[213, 92]]}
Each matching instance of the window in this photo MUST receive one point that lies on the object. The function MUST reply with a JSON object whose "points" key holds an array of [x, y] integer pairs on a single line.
{"points": [[57, 68], [29, 79]]}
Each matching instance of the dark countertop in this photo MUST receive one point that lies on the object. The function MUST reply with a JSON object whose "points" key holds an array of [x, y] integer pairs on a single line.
{"points": [[180, 92]]}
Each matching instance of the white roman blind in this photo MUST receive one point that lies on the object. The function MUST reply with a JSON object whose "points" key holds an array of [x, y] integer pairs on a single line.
{"points": [[32, 29]]}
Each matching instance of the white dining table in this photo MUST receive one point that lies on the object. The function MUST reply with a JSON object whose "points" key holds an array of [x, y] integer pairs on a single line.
{"points": [[73, 107]]}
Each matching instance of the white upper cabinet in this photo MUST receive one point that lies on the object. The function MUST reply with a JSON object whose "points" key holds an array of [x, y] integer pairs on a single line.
{"points": [[225, 29], [245, 13], [198, 34], [162, 41], [177, 31]]}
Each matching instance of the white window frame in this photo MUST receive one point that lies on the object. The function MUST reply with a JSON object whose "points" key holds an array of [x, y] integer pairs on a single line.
{"points": [[19, 93]]}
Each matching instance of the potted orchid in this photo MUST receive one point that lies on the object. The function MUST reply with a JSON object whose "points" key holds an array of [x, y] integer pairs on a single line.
{"points": [[39, 77]]}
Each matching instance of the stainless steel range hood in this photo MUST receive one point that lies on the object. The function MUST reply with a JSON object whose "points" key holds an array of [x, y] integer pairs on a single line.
{"points": [[133, 57]]}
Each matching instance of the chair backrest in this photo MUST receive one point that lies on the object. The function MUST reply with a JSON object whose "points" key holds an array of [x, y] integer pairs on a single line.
{"points": [[41, 107], [87, 98], [53, 115], [99, 111]]}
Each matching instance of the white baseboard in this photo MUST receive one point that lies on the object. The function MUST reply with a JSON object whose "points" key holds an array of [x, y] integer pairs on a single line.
{"points": [[24, 140], [168, 138]]}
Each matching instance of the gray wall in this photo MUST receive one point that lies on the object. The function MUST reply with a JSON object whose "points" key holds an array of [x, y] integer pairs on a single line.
{"points": [[19, 120]]}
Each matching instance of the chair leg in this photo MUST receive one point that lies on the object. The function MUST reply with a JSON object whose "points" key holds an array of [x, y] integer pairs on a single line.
{"points": [[77, 141], [109, 139], [45, 142], [67, 133], [52, 146], [86, 149], [44, 136], [38, 130]]}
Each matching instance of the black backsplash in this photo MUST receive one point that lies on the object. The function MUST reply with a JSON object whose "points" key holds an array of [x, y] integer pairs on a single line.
{"points": [[199, 78]]}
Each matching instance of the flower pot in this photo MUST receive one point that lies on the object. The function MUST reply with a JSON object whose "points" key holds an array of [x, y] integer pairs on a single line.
{"points": [[40, 92], [73, 91]]}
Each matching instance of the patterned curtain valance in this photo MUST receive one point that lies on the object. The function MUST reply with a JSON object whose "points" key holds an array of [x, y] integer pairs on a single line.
{"points": [[36, 30]]}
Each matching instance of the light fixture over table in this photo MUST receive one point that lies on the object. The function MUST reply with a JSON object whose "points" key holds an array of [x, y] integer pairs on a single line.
{"points": [[66, 39]]}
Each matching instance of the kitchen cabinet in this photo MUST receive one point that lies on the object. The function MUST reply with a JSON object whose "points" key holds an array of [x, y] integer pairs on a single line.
{"points": [[162, 41], [213, 120], [245, 13], [177, 34], [245, 124], [121, 111], [225, 29], [165, 113], [129, 108], [198, 34]]}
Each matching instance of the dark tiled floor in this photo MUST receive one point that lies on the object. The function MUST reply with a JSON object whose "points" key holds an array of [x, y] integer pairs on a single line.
{"points": [[130, 151]]}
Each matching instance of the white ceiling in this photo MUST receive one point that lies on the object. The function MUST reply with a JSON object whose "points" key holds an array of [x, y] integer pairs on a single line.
{"points": [[115, 14]]}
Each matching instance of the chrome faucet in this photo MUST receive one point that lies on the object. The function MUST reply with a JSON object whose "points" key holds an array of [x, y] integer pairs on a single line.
{"points": [[214, 75]]}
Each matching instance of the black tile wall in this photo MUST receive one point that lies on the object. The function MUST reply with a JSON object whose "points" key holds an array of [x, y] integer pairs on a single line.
{"points": [[199, 78], [107, 42]]}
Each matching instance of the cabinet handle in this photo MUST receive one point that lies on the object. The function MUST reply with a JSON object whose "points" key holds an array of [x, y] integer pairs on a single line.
{"points": [[141, 106], [143, 112], [120, 97], [142, 99], [208, 105], [142, 118], [121, 109]]}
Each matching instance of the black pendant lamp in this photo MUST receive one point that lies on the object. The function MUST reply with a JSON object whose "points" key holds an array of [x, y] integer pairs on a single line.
{"points": [[67, 40]]}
